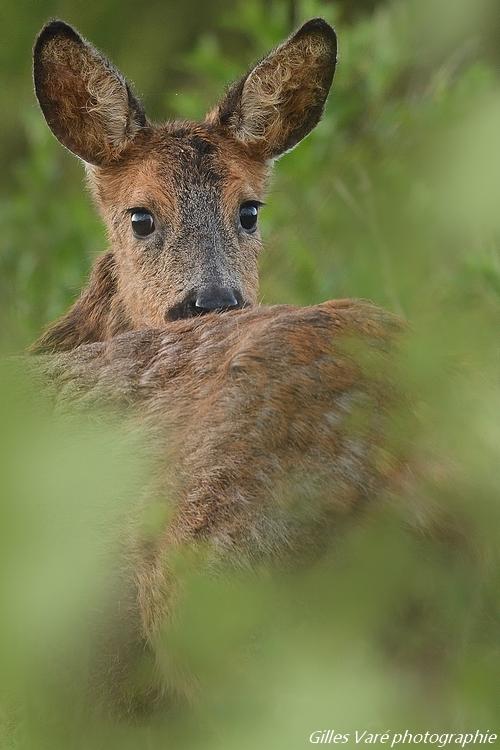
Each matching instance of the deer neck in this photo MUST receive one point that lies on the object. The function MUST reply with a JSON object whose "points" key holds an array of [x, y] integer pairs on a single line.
{"points": [[98, 313]]}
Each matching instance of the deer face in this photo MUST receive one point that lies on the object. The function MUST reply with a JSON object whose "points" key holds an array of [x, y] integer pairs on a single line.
{"points": [[181, 209], [181, 200]]}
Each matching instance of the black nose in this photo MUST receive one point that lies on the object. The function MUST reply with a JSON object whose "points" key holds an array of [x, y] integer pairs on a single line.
{"points": [[205, 300], [216, 299]]}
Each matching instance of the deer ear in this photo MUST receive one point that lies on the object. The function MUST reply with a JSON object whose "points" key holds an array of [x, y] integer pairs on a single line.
{"points": [[87, 103], [282, 98]]}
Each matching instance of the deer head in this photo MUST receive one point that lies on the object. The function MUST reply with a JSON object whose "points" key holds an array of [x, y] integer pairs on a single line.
{"points": [[180, 200]]}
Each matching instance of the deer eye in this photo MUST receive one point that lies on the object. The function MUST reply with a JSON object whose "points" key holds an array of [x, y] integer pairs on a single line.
{"points": [[142, 222], [249, 212]]}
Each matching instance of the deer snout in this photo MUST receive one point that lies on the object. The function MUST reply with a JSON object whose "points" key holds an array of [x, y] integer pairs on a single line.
{"points": [[208, 299], [216, 299]]}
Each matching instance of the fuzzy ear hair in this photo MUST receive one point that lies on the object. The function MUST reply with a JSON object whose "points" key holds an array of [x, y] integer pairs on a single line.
{"points": [[282, 98], [87, 103]]}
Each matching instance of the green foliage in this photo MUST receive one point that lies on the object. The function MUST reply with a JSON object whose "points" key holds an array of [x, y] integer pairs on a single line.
{"points": [[394, 198], [49, 235]]}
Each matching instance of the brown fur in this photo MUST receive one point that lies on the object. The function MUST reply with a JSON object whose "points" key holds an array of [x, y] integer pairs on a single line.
{"points": [[268, 432], [274, 419], [72, 79], [193, 177], [267, 428], [282, 98]]}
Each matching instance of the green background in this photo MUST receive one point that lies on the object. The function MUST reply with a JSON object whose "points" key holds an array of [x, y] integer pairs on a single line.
{"points": [[395, 197]]}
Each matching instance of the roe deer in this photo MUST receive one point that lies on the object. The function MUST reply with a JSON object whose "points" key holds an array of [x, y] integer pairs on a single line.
{"points": [[180, 200], [266, 426], [269, 430]]}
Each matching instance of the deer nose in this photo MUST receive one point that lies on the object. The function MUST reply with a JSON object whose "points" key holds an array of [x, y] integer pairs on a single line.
{"points": [[216, 298]]}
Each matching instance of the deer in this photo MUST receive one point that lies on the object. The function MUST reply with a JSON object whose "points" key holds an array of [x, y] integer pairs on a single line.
{"points": [[269, 433], [180, 200], [268, 424]]}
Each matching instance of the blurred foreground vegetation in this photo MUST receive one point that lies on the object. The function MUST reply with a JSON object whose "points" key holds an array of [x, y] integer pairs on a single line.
{"points": [[396, 198]]}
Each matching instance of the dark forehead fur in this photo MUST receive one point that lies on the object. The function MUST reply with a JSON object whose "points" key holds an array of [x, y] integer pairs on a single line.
{"points": [[193, 146], [165, 159]]}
